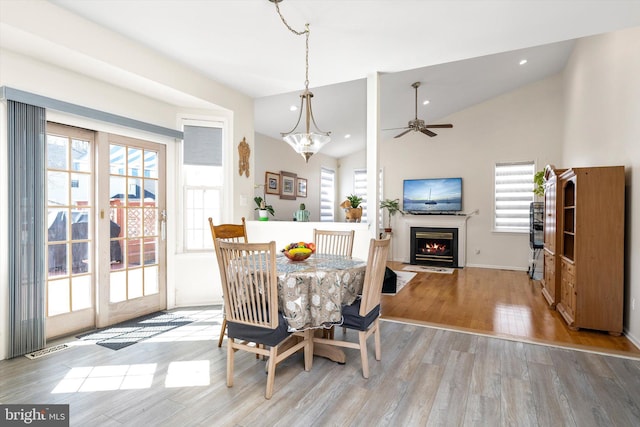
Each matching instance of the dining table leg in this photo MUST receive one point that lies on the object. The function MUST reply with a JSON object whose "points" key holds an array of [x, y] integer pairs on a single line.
{"points": [[335, 354], [328, 351]]}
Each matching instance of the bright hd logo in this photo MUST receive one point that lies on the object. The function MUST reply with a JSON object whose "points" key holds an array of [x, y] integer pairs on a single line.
{"points": [[34, 415]]}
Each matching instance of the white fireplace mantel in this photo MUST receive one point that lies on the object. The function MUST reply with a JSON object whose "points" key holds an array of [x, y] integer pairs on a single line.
{"points": [[402, 233]]}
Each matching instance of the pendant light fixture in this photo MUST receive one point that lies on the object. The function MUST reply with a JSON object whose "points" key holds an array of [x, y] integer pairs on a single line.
{"points": [[307, 141]]}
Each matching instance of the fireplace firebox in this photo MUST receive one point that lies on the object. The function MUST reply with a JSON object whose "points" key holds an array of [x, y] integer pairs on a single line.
{"points": [[433, 246]]}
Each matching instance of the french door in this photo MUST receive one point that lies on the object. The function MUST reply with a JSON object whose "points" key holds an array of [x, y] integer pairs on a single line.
{"points": [[133, 198], [105, 247]]}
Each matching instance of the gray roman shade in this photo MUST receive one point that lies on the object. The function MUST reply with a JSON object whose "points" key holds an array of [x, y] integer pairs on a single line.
{"points": [[202, 146]]}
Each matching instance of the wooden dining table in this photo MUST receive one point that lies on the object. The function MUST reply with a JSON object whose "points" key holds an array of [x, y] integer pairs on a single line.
{"points": [[311, 293]]}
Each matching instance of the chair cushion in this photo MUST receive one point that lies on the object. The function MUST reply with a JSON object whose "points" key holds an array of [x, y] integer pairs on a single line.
{"points": [[353, 320], [257, 334]]}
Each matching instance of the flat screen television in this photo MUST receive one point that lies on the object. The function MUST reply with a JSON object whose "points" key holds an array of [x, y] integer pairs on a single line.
{"points": [[432, 195]]}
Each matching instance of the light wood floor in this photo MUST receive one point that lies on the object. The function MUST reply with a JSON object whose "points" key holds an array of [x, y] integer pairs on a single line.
{"points": [[496, 302], [427, 377]]}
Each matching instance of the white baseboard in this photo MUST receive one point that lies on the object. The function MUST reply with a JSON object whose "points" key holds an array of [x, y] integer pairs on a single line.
{"points": [[631, 338], [498, 267]]}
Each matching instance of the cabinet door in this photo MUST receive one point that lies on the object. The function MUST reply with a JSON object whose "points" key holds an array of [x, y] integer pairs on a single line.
{"points": [[550, 193], [568, 283], [549, 279]]}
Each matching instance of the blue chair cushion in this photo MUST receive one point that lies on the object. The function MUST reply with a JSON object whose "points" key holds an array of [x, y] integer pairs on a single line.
{"points": [[353, 320], [257, 334]]}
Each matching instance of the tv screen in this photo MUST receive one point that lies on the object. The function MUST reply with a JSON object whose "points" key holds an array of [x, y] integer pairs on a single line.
{"points": [[432, 195]]}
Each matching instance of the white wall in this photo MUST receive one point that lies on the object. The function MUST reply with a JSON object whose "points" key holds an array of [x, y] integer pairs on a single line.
{"points": [[523, 125], [275, 155], [149, 88], [346, 166], [602, 92]]}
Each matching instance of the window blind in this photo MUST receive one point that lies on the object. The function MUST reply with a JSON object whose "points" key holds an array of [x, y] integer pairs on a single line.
{"points": [[202, 146], [360, 190], [26, 135], [327, 194], [513, 195]]}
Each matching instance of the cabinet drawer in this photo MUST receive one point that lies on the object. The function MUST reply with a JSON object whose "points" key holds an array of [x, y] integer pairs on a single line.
{"points": [[568, 268]]}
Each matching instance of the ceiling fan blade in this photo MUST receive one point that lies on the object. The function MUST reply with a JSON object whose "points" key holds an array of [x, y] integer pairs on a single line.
{"points": [[404, 127], [428, 132], [403, 133], [439, 126]]}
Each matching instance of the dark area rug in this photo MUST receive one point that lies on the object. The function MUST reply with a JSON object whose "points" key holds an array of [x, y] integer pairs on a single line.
{"points": [[135, 330]]}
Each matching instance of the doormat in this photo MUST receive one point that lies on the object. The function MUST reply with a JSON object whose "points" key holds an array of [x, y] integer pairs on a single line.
{"points": [[135, 330], [427, 269], [402, 280]]}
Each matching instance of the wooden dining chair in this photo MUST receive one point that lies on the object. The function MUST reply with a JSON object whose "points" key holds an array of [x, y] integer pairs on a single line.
{"points": [[250, 290], [228, 233], [363, 315], [333, 242]]}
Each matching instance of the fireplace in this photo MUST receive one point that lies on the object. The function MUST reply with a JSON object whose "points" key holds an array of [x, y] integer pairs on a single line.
{"points": [[434, 246]]}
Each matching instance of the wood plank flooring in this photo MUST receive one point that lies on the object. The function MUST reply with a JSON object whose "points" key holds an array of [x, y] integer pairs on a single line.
{"points": [[501, 303], [427, 377]]}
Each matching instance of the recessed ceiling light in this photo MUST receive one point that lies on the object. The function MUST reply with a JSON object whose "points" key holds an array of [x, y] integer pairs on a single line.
{"points": [[347, 136], [293, 108], [425, 102], [523, 61]]}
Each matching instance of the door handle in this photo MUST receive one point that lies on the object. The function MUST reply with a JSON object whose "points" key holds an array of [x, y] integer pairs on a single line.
{"points": [[163, 224]]}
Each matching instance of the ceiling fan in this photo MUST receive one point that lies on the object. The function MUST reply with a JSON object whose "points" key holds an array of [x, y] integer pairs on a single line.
{"points": [[418, 125]]}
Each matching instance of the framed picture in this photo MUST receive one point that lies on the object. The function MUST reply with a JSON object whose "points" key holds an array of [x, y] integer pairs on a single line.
{"points": [[287, 185], [271, 183], [301, 187]]}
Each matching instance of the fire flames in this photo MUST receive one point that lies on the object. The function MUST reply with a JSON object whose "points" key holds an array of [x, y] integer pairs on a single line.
{"points": [[434, 248]]}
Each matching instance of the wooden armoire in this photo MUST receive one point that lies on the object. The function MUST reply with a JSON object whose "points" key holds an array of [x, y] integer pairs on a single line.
{"points": [[590, 233], [552, 211]]}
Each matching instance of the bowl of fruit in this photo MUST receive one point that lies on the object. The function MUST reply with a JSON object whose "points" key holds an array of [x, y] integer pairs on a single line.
{"points": [[299, 251]]}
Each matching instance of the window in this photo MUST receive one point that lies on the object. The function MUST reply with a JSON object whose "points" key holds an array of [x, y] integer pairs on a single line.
{"points": [[327, 194], [202, 180], [513, 196], [360, 190]]}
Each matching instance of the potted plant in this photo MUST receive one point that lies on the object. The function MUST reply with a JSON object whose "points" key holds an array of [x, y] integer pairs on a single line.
{"points": [[263, 208], [392, 207], [538, 183], [354, 200], [352, 208]]}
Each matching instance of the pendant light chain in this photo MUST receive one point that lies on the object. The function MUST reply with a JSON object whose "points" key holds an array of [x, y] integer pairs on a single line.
{"points": [[306, 33], [306, 142]]}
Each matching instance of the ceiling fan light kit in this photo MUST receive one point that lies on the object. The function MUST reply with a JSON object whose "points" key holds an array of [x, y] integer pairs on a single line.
{"points": [[418, 125], [306, 142]]}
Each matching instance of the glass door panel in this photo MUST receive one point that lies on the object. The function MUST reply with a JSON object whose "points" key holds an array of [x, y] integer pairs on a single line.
{"points": [[70, 244], [135, 202]]}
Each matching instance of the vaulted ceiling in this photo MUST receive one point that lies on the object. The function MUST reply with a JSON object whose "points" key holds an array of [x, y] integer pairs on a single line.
{"points": [[463, 52]]}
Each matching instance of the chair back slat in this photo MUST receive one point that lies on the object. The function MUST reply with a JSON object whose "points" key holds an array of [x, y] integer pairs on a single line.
{"points": [[374, 274], [249, 282], [334, 242], [228, 232]]}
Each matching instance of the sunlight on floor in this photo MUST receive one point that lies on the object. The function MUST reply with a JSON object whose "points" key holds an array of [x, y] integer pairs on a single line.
{"points": [[109, 377], [512, 319], [187, 374], [194, 373]]}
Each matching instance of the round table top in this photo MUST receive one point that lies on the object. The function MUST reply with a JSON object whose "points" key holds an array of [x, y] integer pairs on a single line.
{"points": [[311, 292], [318, 262]]}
